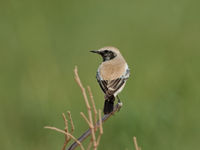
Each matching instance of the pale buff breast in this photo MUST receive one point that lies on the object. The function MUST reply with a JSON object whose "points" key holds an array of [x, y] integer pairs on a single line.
{"points": [[113, 69]]}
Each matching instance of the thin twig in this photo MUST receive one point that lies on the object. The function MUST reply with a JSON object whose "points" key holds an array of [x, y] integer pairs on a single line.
{"points": [[100, 122], [71, 121], [77, 79], [67, 138], [100, 128], [66, 124], [87, 105], [71, 136], [93, 104], [86, 120], [135, 143]]}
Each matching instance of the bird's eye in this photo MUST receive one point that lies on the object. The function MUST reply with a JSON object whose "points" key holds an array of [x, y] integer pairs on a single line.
{"points": [[106, 51]]}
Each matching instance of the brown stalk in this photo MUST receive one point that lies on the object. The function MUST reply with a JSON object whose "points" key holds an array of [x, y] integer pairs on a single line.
{"points": [[87, 105], [100, 128], [71, 121], [85, 118], [67, 138], [93, 104], [135, 143]]}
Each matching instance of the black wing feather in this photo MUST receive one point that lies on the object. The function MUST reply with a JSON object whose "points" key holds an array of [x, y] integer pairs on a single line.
{"points": [[110, 87]]}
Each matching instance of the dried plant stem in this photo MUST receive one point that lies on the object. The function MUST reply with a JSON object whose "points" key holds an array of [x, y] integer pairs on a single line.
{"points": [[93, 104], [71, 121], [66, 124], [67, 138], [85, 118], [91, 125], [100, 128], [100, 122], [135, 143], [68, 134]]}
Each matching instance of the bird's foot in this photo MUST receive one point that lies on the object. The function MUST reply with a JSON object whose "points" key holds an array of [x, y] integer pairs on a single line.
{"points": [[120, 104]]}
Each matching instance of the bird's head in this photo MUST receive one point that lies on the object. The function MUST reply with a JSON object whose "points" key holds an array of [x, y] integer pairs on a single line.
{"points": [[107, 53]]}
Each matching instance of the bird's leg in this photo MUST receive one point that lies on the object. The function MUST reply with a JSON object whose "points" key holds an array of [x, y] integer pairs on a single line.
{"points": [[118, 99], [119, 103]]}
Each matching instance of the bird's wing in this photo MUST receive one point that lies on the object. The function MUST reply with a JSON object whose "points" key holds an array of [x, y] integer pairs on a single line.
{"points": [[103, 83], [112, 86]]}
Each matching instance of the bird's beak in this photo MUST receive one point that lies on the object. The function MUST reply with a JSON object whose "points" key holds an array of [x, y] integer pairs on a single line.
{"points": [[95, 51]]}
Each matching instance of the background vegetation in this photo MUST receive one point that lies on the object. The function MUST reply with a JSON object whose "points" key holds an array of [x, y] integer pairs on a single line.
{"points": [[42, 41]]}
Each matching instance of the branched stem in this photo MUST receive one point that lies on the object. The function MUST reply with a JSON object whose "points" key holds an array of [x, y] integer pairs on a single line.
{"points": [[88, 132]]}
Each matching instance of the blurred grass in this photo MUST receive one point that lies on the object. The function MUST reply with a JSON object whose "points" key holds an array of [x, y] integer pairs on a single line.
{"points": [[42, 41]]}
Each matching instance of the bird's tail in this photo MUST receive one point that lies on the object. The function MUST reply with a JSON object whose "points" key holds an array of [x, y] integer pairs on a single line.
{"points": [[109, 104]]}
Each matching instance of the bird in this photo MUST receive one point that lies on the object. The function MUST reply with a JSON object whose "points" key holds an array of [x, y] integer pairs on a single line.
{"points": [[111, 75]]}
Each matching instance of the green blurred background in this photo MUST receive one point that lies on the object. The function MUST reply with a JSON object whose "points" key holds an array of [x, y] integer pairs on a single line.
{"points": [[41, 42]]}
